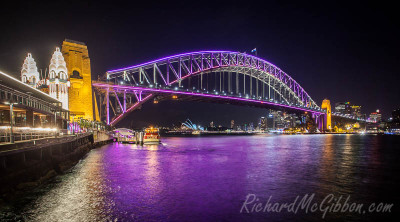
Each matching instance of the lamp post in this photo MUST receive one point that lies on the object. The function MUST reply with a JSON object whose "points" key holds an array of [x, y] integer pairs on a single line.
{"points": [[11, 123]]}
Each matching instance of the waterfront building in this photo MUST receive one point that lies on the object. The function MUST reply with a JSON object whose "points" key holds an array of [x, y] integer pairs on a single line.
{"points": [[69, 80], [25, 107], [232, 124]]}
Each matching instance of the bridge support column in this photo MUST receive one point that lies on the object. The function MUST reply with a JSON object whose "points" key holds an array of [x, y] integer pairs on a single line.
{"points": [[321, 122], [108, 105], [125, 101]]}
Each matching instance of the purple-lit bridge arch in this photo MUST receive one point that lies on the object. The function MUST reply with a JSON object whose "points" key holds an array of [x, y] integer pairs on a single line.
{"points": [[231, 77]]}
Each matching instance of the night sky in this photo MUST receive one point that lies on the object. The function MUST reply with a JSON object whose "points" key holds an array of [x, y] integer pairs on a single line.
{"points": [[345, 51]]}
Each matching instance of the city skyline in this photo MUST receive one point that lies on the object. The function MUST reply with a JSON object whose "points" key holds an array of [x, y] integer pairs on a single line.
{"points": [[335, 80], [199, 111]]}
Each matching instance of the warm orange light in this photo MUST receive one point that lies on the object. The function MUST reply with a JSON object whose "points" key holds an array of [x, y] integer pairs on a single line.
{"points": [[174, 96]]}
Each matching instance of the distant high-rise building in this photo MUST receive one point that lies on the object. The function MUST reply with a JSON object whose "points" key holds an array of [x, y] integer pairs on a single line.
{"points": [[277, 118], [232, 124], [212, 124], [251, 127], [396, 115], [376, 116], [343, 108], [263, 123], [356, 111]]}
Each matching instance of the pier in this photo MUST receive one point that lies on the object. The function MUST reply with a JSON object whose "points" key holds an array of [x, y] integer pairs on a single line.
{"points": [[29, 163]]}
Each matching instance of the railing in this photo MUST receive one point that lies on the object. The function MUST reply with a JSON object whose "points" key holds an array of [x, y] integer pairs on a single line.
{"points": [[25, 133], [6, 138]]}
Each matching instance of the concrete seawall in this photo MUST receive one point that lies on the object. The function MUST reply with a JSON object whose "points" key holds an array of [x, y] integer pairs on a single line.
{"points": [[28, 164]]}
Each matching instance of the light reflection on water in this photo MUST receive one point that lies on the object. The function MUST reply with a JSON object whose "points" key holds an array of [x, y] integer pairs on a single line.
{"points": [[208, 178]]}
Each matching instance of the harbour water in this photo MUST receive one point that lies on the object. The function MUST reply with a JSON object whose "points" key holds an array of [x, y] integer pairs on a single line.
{"points": [[209, 179]]}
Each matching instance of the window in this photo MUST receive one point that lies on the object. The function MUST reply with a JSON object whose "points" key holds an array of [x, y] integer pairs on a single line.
{"points": [[76, 75]]}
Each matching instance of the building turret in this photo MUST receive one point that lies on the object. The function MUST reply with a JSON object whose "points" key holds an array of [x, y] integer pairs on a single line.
{"points": [[29, 71], [58, 81]]}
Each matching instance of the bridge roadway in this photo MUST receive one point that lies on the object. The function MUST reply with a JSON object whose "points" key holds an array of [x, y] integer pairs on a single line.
{"points": [[216, 75]]}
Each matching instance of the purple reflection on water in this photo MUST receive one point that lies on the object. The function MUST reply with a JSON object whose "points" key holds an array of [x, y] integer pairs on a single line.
{"points": [[208, 179]]}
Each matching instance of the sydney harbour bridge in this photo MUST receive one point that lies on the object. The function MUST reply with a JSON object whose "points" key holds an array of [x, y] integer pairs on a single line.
{"points": [[216, 76]]}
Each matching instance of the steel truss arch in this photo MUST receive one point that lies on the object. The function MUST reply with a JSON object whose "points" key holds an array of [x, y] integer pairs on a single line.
{"points": [[179, 67], [175, 72]]}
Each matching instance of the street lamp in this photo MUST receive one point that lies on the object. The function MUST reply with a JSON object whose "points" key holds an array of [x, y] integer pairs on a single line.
{"points": [[11, 120]]}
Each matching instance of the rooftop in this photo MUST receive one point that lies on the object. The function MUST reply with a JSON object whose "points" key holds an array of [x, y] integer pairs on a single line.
{"points": [[16, 84]]}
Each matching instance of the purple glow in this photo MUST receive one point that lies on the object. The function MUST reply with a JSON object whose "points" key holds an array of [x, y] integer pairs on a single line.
{"points": [[201, 94], [277, 72], [130, 109], [186, 54]]}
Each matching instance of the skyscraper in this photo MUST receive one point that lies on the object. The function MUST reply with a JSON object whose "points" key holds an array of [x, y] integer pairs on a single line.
{"points": [[343, 108], [263, 123], [376, 116]]}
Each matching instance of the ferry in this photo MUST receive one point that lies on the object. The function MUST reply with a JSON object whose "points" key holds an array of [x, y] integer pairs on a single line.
{"points": [[124, 135], [151, 136]]}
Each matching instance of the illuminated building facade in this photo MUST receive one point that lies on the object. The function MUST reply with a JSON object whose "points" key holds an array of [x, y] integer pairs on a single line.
{"points": [[29, 71], [80, 92], [343, 108], [356, 111], [58, 78], [326, 105], [376, 116], [263, 123]]}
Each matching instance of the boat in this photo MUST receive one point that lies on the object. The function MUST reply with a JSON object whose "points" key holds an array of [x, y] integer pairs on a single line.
{"points": [[124, 135], [151, 136]]}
